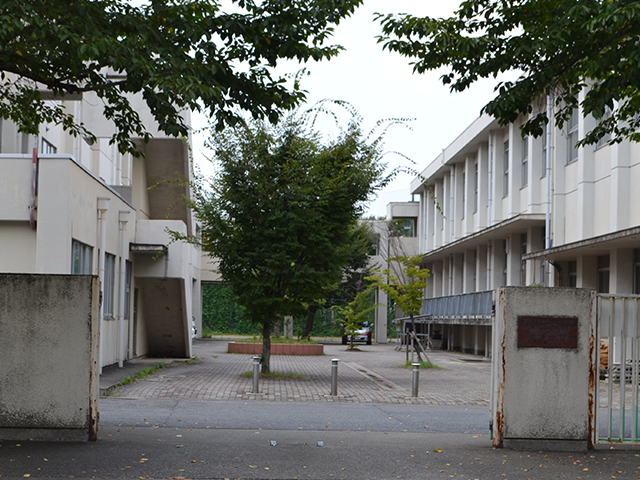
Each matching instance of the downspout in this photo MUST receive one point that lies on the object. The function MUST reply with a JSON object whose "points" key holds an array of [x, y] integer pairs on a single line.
{"points": [[425, 199], [103, 206], [123, 219], [547, 219], [33, 205]]}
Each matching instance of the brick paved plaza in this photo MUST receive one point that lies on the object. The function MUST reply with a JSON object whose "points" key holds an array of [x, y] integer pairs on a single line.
{"points": [[371, 375]]}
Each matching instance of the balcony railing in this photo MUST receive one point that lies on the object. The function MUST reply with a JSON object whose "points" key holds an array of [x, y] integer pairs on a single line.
{"points": [[477, 306]]}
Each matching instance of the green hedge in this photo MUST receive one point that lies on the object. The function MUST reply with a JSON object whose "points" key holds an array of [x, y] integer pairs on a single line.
{"points": [[222, 315]]}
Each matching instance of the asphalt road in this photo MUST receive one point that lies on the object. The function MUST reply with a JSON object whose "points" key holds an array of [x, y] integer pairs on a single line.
{"points": [[294, 416], [171, 439]]}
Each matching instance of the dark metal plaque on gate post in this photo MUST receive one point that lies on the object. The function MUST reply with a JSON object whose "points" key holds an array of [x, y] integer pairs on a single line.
{"points": [[547, 332]]}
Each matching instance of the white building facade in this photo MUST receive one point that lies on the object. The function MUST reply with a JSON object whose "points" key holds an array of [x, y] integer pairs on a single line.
{"points": [[81, 207], [493, 211]]}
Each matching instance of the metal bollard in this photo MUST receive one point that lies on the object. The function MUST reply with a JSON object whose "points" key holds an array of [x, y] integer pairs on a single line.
{"points": [[416, 379], [256, 373], [334, 376]]}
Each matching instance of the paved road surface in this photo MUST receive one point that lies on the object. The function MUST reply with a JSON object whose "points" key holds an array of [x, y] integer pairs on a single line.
{"points": [[197, 421]]}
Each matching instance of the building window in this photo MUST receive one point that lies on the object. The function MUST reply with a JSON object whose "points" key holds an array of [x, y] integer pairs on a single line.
{"points": [[544, 151], [573, 274], [109, 283], [505, 180], [602, 285], [525, 162], [475, 190], [81, 258], [505, 261], [48, 148], [604, 141], [572, 137], [405, 227]]}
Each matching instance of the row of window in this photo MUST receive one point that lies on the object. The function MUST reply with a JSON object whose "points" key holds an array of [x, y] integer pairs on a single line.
{"points": [[572, 151]]}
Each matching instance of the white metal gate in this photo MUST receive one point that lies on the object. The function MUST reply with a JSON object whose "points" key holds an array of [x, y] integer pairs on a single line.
{"points": [[618, 336]]}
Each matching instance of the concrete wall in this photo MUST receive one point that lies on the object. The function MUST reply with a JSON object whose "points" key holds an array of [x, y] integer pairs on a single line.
{"points": [[543, 382], [48, 353]]}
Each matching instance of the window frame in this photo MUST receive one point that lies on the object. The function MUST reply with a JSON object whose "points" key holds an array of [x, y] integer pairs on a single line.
{"points": [[573, 124], [544, 150], [604, 141], [524, 174], [603, 276], [505, 173], [109, 285], [82, 262], [48, 148]]}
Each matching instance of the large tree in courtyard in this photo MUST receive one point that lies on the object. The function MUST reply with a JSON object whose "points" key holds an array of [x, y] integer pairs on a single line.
{"points": [[280, 210], [175, 54], [559, 46]]}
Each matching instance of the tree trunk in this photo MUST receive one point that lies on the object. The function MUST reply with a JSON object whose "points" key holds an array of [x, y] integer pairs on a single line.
{"points": [[311, 315], [266, 347]]}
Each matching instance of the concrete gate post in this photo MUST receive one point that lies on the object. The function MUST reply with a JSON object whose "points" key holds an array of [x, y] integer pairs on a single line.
{"points": [[544, 371]]}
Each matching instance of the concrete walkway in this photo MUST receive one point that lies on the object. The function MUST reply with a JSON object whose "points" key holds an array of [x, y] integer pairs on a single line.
{"points": [[371, 375]]}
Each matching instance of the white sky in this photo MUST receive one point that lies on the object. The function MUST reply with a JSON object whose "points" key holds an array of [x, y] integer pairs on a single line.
{"points": [[381, 85]]}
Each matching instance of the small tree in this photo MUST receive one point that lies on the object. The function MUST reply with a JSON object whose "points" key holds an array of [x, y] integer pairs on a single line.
{"points": [[279, 213], [407, 288], [356, 312]]}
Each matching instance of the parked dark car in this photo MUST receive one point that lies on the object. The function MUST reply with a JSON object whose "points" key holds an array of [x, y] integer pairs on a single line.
{"points": [[363, 334]]}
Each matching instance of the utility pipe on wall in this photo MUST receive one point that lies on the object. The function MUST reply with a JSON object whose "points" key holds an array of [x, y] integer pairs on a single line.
{"points": [[103, 206], [33, 205], [547, 220], [123, 219]]}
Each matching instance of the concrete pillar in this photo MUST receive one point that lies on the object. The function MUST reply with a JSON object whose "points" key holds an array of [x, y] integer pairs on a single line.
{"points": [[514, 260], [470, 192], [515, 147], [469, 275], [437, 279], [446, 280], [458, 273], [621, 271], [620, 185], [558, 167], [483, 185], [481, 268], [587, 271], [586, 183], [440, 230], [496, 263]]}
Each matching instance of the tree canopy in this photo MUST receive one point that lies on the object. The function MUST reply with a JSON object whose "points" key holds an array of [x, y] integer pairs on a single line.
{"points": [[176, 54], [558, 46], [278, 214]]}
